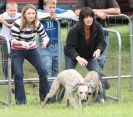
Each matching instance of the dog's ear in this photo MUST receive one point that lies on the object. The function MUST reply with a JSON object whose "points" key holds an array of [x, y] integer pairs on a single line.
{"points": [[75, 88]]}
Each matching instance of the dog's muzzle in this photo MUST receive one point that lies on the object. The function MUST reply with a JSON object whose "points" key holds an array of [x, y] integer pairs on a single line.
{"points": [[89, 93], [83, 101]]}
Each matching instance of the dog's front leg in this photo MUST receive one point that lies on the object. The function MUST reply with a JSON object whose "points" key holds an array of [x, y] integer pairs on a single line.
{"points": [[101, 92], [73, 102], [79, 102], [68, 103], [45, 101]]}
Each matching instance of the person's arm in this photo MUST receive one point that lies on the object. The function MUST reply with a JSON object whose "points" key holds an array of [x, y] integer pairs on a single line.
{"points": [[79, 4], [103, 13], [15, 32], [41, 14], [67, 14], [109, 11], [41, 31], [77, 12], [71, 44], [101, 42], [3, 21]]}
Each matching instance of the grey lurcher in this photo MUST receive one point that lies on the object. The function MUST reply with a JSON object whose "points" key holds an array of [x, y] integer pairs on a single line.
{"points": [[75, 87]]}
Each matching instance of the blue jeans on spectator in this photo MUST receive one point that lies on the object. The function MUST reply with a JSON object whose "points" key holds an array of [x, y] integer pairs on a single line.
{"points": [[50, 57], [34, 58], [92, 65], [102, 59]]}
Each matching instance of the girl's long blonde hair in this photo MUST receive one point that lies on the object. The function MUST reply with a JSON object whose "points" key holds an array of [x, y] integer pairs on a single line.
{"points": [[23, 18]]}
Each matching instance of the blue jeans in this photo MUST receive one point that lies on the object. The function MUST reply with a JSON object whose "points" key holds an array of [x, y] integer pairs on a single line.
{"points": [[92, 65], [102, 59], [50, 57], [34, 58]]}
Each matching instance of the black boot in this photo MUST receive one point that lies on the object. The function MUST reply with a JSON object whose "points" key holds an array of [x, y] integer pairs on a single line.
{"points": [[42, 97]]}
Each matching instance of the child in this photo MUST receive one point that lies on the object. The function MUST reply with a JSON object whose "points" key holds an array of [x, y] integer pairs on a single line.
{"points": [[10, 14], [7, 19], [50, 55]]}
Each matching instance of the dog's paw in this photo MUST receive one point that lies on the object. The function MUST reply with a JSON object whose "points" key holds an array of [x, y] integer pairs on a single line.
{"points": [[42, 104]]}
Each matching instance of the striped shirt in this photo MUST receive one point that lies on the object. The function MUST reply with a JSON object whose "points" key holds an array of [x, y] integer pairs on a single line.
{"points": [[27, 33]]}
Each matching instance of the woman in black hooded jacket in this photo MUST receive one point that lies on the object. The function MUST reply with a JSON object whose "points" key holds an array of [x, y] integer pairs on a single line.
{"points": [[85, 42]]}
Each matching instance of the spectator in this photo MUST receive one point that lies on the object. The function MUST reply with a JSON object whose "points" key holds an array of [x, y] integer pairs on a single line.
{"points": [[2, 6], [101, 8], [85, 42], [50, 54], [23, 46], [6, 19]]}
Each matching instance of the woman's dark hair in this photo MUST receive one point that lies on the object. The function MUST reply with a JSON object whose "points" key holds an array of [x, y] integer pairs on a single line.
{"points": [[85, 12]]}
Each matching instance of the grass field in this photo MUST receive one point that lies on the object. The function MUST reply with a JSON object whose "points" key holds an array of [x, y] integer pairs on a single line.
{"points": [[111, 108]]}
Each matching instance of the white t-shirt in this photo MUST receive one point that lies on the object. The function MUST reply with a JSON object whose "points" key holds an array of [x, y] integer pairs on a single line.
{"points": [[61, 13], [5, 31]]}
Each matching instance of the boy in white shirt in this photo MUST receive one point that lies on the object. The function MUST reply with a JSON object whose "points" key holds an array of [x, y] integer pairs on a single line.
{"points": [[7, 18]]}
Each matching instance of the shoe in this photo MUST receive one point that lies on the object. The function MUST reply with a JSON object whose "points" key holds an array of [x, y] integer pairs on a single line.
{"points": [[42, 97], [106, 85], [51, 100]]}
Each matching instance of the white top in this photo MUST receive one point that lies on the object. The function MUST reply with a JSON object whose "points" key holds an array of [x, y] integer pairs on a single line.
{"points": [[5, 31], [68, 14]]}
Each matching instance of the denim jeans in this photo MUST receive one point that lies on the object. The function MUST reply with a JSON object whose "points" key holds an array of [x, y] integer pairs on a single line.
{"points": [[92, 65], [102, 59], [34, 58], [50, 57]]}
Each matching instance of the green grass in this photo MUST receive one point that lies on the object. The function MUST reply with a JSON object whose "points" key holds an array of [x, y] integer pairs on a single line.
{"points": [[111, 108]]}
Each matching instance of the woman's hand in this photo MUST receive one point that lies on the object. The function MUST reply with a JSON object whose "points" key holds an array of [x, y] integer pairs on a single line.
{"points": [[81, 61], [25, 45], [45, 42], [96, 54]]}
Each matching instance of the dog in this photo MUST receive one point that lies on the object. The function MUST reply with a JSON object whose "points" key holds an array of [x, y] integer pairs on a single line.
{"points": [[74, 84], [94, 87]]}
